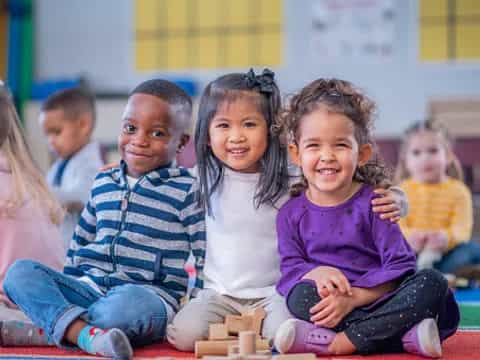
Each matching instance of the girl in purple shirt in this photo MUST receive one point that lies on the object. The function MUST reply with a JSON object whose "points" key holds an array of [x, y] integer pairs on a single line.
{"points": [[348, 276]]}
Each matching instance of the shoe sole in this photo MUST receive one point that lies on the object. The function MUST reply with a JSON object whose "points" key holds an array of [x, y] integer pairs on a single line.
{"points": [[125, 351], [285, 336], [429, 339]]}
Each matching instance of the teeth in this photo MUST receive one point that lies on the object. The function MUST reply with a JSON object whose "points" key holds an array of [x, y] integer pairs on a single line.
{"points": [[327, 171], [237, 151]]}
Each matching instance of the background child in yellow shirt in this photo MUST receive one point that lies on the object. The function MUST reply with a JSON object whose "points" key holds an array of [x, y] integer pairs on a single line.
{"points": [[439, 223]]}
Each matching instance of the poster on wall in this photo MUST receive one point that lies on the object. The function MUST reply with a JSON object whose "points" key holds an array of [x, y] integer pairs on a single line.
{"points": [[359, 30]]}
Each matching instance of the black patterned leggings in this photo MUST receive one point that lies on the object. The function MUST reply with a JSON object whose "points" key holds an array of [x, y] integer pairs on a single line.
{"points": [[380, 329]]}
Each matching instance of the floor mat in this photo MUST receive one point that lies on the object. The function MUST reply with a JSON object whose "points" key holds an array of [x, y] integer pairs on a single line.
{"points": [[465, 345]]}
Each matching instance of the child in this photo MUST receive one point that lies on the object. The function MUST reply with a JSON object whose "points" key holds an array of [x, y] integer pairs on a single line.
{"points": [[343, 268], [439, 226], [242, 169], [124, 275], [68, 118], [29, 214]]}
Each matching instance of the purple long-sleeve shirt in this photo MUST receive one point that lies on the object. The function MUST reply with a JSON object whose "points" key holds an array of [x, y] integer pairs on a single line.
{"points": [[369, 251], [350, 237]]}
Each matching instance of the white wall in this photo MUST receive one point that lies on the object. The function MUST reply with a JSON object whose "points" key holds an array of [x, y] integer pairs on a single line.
{"points": [[94, 38]]}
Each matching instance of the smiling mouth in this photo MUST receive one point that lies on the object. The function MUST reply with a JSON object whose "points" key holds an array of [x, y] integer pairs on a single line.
{"points": [[327, 171], [137, 154], [238, 151]]}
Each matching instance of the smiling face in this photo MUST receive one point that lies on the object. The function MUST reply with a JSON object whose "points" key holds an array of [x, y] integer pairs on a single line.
{"points": [[328, 154], [426, 157], [238, 135], [149, 138]]}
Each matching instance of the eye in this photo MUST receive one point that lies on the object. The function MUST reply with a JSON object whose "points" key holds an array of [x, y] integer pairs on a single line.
{"points": [[158, 133], [433, 150], [129, 129], [250, 124], [416, 152], [311, 146], [222, 125], [342, 145]]}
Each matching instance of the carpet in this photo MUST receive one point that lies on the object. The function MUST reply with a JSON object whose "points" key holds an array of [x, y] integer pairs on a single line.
{"points": [[465, 345]]}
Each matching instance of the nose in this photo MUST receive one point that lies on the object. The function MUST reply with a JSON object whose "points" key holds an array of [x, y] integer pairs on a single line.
{"points": [[140, 139], [326, 154], [236, 135]]}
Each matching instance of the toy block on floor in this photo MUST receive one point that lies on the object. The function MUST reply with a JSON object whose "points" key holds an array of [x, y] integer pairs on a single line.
{"points": [[257, 315], [246, 345], [301, 356], [219, 332], [220, 347], [237, 323]]}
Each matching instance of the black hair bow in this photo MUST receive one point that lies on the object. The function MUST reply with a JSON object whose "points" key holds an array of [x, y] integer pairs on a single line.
{"points": [[263, 82]]}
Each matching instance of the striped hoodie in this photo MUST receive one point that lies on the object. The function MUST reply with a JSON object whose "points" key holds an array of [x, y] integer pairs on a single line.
{"points": [[141, 235]]}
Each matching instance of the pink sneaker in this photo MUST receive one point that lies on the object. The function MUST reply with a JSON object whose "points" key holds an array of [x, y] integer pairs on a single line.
{"points": [[298, 336], [423, 339]]}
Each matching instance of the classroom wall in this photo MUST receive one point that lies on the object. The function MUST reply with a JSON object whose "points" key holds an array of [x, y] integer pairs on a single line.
{"points": [[94, 38]]}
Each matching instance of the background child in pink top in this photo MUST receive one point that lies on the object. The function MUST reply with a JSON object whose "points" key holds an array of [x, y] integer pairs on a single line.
{"points": [[29, 214]]}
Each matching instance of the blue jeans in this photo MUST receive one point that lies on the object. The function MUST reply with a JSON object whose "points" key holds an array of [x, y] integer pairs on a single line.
{"points": [[54, 300], [464, 254]]}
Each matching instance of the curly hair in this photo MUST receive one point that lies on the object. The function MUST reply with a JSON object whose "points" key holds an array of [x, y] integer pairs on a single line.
{"points": [[338, 96]]}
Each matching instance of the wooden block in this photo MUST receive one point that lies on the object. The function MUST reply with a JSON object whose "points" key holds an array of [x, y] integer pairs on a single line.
{"points": [[246, 342], [236, 323], [218, 332], [220, 347], [258, 316], [234, 350], [258, 357], [301, 356]]}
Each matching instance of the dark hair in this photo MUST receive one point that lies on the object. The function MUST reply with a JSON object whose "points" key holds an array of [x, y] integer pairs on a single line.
{"points": [[454, 168], [179, 101], [264, 93], [74, 102], [338, 96]]}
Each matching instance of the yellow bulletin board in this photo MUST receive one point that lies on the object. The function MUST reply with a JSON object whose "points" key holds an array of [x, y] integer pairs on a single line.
{"points": [[188, 34], [3, 43], [449, 30]]}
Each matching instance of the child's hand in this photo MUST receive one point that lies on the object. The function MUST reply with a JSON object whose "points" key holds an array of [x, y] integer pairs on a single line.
{"points": [[436, 240], [109, 166], [417, 240], [388, 204], [329, 280], [331, 310]]}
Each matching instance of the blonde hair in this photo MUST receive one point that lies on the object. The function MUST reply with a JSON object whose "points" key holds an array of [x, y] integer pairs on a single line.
{"points": [[28, 182], [454, 168]]}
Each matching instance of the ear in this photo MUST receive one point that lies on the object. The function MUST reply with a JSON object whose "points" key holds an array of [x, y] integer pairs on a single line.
{"points": [[294, 153], [183, 142], [364, 154], [85, 121]]}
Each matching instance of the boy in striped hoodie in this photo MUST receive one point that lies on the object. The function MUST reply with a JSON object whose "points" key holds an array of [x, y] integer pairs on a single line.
{"points": [[124, 274]]}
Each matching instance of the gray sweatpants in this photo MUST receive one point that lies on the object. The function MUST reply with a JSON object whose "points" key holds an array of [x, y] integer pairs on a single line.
{"points": [[209, 307]]}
